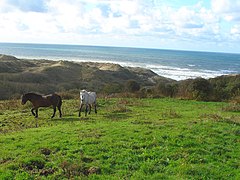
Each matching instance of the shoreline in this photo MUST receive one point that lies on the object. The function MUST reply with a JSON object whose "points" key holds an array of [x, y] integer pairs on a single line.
{"points": [[174, 73], [174, 64], [165, 70]]}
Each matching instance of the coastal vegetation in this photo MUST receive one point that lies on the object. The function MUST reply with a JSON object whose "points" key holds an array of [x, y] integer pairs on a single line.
{"points": [[18, 76]]}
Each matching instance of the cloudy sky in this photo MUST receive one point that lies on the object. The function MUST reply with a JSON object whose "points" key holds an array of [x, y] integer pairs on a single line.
{"points": [[202, 25]]}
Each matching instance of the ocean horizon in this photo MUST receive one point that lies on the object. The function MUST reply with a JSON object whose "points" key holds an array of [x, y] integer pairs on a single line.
{"points": [[174, 64]]}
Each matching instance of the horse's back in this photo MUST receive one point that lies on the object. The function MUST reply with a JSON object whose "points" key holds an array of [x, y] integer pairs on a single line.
{"points": [[93, 94], [54, 98], [50, 96], [92, 97]]}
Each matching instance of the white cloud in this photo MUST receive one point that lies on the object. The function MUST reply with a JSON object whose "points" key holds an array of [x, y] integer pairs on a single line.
{"points": [[225, 6], [236, 29], [229, 10], [235, 33], [116, 21]]}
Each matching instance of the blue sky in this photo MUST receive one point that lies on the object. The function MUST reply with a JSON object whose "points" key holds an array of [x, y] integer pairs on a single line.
{"points": [[199, 25]]}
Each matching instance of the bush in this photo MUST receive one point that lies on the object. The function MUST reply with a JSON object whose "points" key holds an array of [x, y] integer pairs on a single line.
{"points": [[182, 89], [226, 87], [201, 89], [236, 100], [112, 88], [132, 86], [166, 89]]}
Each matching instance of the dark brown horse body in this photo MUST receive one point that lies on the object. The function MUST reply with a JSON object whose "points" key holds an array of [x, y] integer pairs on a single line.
{"points": [[37, 101]]}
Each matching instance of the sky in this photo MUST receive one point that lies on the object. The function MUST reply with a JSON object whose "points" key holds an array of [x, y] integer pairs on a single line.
{"points": [[198, 25]]}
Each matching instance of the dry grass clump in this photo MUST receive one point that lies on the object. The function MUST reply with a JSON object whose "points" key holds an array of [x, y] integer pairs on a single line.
{"points": [[234, 119], [171, 113], [232, 107], [10, 105]]}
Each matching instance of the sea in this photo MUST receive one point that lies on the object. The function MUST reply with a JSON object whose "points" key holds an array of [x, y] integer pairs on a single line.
{"points": [[174, 64]]}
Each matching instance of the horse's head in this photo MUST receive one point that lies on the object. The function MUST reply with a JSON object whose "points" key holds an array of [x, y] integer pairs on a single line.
{"points": [[24, 99], [83, 95]]}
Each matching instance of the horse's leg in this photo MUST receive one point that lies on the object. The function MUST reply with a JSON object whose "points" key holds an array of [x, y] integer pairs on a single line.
{"points": [[86, 109], [90, 107], [59, 106], [95, 107], [32, 110], [80, 109], [60, 112], [54, 111], [36, 116]]}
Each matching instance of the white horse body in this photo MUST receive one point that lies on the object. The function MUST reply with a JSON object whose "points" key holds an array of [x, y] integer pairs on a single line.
{"points": [[88, 99]]}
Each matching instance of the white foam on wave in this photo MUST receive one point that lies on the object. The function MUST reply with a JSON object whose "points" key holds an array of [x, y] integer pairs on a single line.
{"points": [[171, 72], [177, 73], [191, 65]]}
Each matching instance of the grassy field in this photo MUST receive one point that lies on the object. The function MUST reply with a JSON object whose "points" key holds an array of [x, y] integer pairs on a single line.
{"points": [[127, 139]]}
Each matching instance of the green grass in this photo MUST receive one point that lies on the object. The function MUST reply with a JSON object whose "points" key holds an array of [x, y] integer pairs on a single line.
{"points": [[127, 139]]}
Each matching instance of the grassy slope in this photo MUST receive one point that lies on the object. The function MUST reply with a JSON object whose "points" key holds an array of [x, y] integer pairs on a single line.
{"points": [[128, 138]]}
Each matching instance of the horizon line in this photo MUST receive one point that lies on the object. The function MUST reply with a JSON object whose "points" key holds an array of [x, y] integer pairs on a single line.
{"points": [[112, 46]]}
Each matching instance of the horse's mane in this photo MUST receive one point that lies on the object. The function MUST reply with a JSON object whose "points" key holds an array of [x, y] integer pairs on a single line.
{"points": [[32, 94], [83, 91]]}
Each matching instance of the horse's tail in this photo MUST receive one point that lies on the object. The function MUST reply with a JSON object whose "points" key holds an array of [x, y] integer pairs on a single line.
{"points": [[59, 104], [58, 100]]}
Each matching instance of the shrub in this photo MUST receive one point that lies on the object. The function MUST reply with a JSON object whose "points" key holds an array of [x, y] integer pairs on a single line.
{"points": [[236, 100], [235, 89], [225, 87], [201, 89], [132, 86], [166, 89], [112, 88], [182, 89], [71, 94]]}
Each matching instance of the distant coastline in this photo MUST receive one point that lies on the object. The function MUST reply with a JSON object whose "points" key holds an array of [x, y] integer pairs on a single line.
{"points": [[174, 64]]}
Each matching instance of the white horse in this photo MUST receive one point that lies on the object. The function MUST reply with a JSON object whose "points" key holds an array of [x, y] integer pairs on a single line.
{"points": [[88, 99]]}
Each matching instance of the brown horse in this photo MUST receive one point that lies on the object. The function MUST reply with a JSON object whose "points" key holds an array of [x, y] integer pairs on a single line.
{"points": [[37, 101]]}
